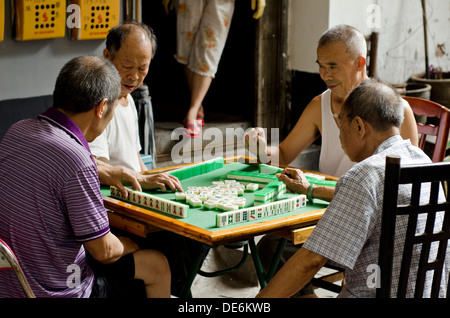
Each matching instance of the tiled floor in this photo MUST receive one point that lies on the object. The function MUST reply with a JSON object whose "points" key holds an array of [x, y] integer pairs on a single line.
{"points": [[241, 284]]}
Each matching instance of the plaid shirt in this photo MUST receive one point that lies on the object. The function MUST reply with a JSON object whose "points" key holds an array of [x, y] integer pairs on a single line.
{"points": [[349, 231]]}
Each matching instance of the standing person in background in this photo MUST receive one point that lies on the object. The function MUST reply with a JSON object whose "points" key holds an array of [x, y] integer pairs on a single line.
{"points": [[202, 31]]}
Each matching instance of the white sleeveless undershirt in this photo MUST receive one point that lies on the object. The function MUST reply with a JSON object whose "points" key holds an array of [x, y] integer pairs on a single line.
{"points": [[333, 161]]}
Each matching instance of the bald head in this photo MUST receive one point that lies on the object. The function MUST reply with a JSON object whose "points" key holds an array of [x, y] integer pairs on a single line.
{"points": [[352, 40], [137, 32]]}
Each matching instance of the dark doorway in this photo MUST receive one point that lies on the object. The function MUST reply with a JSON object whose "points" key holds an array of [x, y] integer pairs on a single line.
{"points": [[232, 93]]}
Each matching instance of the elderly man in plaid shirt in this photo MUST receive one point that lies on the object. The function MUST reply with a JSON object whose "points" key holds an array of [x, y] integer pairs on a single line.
{"points": [[348, 234]]}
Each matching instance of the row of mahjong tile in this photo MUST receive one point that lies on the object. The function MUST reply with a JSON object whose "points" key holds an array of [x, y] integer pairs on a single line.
{"points": [[153, 202], [222, 195], [271, 192], [260, 212]]}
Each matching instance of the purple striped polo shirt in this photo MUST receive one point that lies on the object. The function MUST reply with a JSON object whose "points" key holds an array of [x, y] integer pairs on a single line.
{"points": [[50, 203]]}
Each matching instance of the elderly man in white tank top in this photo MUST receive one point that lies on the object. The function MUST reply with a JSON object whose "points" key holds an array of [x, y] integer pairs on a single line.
{"points": [[341, 57]]}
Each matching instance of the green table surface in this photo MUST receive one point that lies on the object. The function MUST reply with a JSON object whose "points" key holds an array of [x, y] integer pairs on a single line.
{"points": [[206, 219]]}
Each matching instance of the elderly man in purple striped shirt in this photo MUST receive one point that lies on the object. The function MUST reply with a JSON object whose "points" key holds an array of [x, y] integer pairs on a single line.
{"points": [[52, 212]]}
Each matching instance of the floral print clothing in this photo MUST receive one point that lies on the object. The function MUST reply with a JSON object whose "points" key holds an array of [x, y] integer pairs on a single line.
{"points": [[202, 30]]}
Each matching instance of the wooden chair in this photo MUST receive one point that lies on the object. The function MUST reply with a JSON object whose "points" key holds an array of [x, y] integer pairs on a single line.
{"points": [[417, 175], [9, 261], [372, 50], [440, 130]]}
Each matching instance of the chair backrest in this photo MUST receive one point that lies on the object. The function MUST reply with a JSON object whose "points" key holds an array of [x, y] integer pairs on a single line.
{"points": [[372, 50], [9, 261], [432, 109], [437, 265]]}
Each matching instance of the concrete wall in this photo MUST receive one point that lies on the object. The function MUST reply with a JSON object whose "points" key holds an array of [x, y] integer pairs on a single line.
{"points": [[308, 19], [399, 22], [30, 68]]}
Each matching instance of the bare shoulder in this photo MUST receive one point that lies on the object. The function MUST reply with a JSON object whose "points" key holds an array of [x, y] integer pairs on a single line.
{"points": [[313, 110], [405, 103], [407, 107], [316, 101]]}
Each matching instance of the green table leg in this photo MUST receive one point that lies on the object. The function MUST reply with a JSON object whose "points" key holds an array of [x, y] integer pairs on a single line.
{"points": [[228, 270], [276, 258], [196, 261], [264, 279]]}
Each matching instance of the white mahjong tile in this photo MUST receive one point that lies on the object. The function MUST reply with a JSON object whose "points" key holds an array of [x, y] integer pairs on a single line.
{"points": [[210, 204], [113, 192], [303, 200], [259, 212], [180, 196], [203, 197], [184, 211], [252, 214], [230, 218], [230, 207], [222, 220], [196, 202], [130, 194], [244, 215]]}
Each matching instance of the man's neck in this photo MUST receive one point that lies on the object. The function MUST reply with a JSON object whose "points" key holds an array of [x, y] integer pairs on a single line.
{"points": [[123, 100], [376, 140], [82, 120]]}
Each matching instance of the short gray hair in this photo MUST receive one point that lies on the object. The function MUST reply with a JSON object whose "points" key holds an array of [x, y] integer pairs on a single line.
{"points": [[352, 39], [117, 35], [84, 82], [376, 103]]}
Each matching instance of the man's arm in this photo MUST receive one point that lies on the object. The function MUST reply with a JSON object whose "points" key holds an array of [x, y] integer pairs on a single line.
{"points": [[159, 181], [109, 248], [302, 135], [120, 176], [294, 275], [141, 163], [296, 181]]}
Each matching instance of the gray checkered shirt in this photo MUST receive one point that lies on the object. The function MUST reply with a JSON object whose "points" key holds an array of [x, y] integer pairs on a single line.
{"points": [[349, 231]]}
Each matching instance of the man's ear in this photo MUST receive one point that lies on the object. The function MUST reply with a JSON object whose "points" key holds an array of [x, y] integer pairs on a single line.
{"points": [[359, 126], [361, 62], [102, 108], [106, 54]]}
